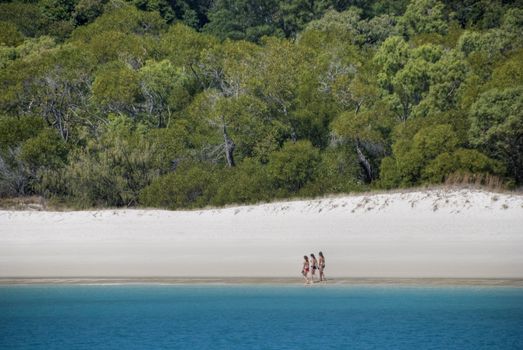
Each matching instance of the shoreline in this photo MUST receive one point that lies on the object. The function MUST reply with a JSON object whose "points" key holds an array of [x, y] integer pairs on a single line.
{"points": [[259, 281]]}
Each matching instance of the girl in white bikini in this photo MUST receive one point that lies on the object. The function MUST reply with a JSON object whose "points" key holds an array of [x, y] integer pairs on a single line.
{"points": [[321, 263]]}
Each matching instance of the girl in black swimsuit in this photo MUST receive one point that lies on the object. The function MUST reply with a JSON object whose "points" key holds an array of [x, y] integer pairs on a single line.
{"points": [[314, 266]]}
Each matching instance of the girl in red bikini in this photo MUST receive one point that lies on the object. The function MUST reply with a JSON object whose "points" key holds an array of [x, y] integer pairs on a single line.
{"points": [[305, 269]]}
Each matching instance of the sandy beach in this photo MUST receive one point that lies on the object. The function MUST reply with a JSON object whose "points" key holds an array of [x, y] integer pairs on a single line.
{"points": [[464, 234]]}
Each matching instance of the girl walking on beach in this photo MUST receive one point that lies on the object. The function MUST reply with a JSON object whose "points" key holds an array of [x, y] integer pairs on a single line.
{"points": [[321, 263], [305, 269], [314, 266]]}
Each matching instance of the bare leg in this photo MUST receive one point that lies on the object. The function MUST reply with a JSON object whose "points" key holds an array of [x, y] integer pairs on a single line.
{"points": [[322, 276], [305, 276]]}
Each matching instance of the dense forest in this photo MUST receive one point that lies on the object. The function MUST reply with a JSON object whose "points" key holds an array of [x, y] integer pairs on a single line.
{"points": [[183, 104]]}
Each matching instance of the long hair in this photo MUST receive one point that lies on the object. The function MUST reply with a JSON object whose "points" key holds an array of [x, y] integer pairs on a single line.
{"points": [[306, 258], [321, 254], [312, 255]]}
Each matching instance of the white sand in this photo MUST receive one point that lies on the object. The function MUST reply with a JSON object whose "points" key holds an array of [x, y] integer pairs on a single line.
{"points": [[438, 233]]}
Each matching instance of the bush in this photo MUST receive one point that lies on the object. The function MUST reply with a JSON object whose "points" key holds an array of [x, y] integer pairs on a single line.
{"points": [[411, 156], [463, 161], [337, 172], [43, 158], [15, 176], [14, 131], [389, 174], [9, 34], [46, 149], [114, 169], [190, 186], [247, 183], [293, 166]]}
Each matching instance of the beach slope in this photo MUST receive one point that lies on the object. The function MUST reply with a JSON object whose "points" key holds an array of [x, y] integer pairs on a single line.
{"points": [[433, 234]]}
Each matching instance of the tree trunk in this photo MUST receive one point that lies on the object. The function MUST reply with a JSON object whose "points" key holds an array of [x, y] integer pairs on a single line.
{"points": [[364, 162], [228, 146]]}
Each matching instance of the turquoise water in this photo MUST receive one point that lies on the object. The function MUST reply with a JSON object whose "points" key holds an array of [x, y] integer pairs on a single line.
{"points": [[260, 317]]}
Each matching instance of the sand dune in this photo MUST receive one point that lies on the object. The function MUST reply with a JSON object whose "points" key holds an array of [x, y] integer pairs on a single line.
{"points": [[437, 233]]}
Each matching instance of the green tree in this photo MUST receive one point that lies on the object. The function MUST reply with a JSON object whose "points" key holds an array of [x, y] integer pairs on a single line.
{"points": [[163, 7], [295, 15], [9, 34], [164, 91], [424, 16], [293, 166], [480, 14], [15, 130], [507, 73], [58, 15], [177, 142], [44, 158], [113, 169], [243, 19], [497, 127], [446, 77], [18, 137], [249, 182], [392, 56], [348, 26], [190, 186], [54, 85], [184, 47], [117, 88], [124, 19], [366, 130], [411, 156], [337, 172], [462, 160], [26, 16], [86, 11], [47, 149]]}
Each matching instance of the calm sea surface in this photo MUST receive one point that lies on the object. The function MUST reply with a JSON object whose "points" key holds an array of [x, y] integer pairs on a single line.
{"points": [[260, 317]]}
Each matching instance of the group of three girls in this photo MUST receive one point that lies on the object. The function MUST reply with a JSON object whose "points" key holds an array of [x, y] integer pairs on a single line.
{"points": [[311, 265]]}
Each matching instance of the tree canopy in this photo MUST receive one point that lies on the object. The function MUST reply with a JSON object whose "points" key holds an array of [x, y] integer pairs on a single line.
{"points": [[183, 104]]}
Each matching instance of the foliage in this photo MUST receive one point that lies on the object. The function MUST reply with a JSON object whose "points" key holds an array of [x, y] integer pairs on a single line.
{"points": [[497, 127], [197, 102], [293, 166], [187, 187], [461, 160], [349, 26], [247, 183], [9, 34], [46, 149], [113, 170], [411, 156], [424, 16], [243, 19], [14, 131]]}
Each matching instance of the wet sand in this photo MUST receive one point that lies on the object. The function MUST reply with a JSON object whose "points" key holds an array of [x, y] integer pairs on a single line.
{"points": [[515, 282]]}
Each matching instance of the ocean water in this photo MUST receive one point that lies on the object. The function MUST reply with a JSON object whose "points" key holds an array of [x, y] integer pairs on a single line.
{"points": [[260, 317]]}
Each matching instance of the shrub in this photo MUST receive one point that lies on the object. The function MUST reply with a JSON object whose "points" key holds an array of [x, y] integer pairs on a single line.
{"points": [[247, 183], [189, 186], [293, 166], [462, 160]]}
